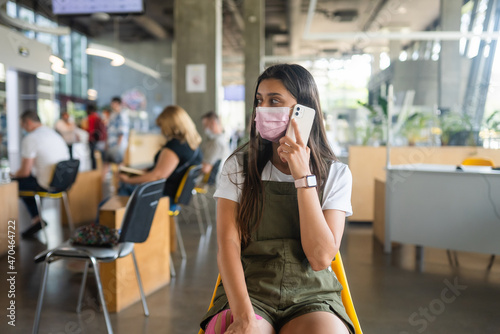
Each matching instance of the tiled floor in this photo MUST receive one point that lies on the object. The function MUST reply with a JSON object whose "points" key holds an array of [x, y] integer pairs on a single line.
{"points": [[390, 295]]}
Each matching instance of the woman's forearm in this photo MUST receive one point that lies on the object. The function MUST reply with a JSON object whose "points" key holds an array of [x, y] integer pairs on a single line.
{"points": [[318, 241], [147, 177], [231, 270]]}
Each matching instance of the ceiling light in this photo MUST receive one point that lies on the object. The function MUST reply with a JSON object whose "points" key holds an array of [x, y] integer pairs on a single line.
{"points": [[402, 10], [60, 70], [45, 76], [56, 61], [57, 65], [141, 68], [92, 94], [116, 57]]}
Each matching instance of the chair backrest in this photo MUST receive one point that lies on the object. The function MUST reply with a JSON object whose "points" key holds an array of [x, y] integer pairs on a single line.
{"points": [[140, 211], [64, 175], [212, 177], [338, 269], [189, 180], [478, 161]]}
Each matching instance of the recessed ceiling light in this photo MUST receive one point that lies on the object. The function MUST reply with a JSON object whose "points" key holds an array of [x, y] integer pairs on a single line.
{"points": [[402, 10]]}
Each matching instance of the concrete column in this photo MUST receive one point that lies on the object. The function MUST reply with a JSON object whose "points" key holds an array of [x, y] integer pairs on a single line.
{"points": [[375, 62], [254, 48], [394, 50], [198, 41], [450, 61]]}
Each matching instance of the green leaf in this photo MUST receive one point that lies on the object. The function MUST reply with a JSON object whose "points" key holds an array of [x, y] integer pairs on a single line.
{"points": [[383, 104]]}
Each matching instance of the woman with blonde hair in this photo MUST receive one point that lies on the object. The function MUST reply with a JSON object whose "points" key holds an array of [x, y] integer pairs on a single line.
{"points": [[173, 159]]}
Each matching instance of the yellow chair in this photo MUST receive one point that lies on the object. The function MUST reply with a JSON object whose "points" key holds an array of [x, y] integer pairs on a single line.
{"points": [[183, 197], [64, 176], [478, 161], [338, 269]]}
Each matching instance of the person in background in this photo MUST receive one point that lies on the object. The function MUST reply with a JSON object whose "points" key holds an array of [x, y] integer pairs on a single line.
{"points": [[67, 129], [106, 114], [97, 133], [173, 159], [41, 149], [117, 132], [215, 147]]}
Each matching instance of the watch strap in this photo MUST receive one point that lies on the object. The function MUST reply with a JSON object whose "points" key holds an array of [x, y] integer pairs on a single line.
{"points": [[307, 181]]}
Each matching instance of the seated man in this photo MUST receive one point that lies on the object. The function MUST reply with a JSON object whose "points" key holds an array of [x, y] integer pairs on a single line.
{"points": [[215, 146], [41, 149]]}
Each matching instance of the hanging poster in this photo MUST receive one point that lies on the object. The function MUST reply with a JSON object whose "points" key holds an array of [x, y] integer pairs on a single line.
{"points": [[196, 78]]}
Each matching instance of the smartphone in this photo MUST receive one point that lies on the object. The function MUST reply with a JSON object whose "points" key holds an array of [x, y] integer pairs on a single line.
{"points": [[304, 116]]}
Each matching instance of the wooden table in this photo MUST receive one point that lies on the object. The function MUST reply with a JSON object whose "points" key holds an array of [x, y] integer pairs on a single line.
{"points": [[9, 211], [153, 257]]}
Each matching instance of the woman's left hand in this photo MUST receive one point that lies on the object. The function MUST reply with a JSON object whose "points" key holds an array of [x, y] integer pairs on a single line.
{"points": [[296, 154]]}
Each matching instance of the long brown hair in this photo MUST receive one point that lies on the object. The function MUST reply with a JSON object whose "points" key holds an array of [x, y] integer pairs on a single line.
{"points": [[257, 152], [175, 122]]}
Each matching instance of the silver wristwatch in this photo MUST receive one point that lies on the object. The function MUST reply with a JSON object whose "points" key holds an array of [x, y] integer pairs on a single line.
{"points": [[308, 181]]}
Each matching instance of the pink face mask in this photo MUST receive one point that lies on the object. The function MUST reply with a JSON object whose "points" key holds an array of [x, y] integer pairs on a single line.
{"points": [[271, 122]]}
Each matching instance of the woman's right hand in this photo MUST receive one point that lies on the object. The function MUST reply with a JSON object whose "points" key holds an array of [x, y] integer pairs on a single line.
{"points": [[124, 177], [240, 326]]}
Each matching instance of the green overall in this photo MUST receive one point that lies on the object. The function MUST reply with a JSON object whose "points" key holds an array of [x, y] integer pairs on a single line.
{"points": [[280, 281]]}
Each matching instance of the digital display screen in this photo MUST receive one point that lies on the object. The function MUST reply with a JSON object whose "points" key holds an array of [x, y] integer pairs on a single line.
{"points": [[75, 7]]}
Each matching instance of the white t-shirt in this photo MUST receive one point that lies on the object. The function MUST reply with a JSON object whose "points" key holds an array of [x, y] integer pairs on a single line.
{"points": [[48, 148], [336, 194]]}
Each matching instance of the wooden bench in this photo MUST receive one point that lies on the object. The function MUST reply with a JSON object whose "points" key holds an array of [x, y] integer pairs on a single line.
{"points": [[153, 257]]}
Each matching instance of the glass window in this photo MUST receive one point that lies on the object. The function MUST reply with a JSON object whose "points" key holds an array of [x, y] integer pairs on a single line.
{"points": [[2, 72], [477, 27], [27, 15], [45, 38], [11, 9], [385, 60]]}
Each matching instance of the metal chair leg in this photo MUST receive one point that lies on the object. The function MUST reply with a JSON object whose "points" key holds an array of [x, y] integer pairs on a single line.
{"points": [[179, 239], [492, 259], [455, 256], [419, 252], [207, 211], [40, 298], [172, 269], [143, 296], [198, 214], [38, 203], [82, 288], [450, 260], [101, 295], [68, 212]]}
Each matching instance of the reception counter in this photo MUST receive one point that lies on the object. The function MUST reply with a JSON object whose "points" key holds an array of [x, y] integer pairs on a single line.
{"points": [[442, 207], [367, 164], [153, 257]]}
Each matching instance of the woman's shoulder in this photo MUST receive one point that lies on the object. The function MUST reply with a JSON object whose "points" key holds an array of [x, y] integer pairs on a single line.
{"points": [[338, 166], [234, 163], [339, 170], [175, 144]]}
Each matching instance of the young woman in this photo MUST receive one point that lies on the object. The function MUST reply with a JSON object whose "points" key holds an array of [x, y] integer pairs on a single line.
{"points": [[276, 237], [173, 159]]}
